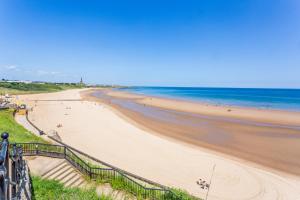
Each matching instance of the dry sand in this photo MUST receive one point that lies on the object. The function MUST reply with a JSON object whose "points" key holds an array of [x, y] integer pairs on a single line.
{"points": [[250, 134], [97, 130]]}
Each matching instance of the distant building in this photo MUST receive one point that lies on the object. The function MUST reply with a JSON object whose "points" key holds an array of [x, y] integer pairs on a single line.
{"points": [[17, 81], [81, 81], [39, 82]]}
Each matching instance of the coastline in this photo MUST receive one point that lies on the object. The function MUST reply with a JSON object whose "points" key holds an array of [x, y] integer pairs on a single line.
{"points": [[284, 117], [280, 99], [94, 127], [256, 136]]}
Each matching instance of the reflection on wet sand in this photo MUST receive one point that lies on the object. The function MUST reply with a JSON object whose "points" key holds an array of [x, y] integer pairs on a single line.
{"points": [[270, 144]]}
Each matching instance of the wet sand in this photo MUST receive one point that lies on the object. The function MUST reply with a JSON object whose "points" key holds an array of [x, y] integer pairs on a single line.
{"points": [[265, 137], [105, 133]]}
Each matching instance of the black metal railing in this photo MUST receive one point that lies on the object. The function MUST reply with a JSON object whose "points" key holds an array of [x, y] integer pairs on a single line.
{"points": [[12, 171], [134, 185], [12, 176], [4, 168], [106, 165], [106, 173]]}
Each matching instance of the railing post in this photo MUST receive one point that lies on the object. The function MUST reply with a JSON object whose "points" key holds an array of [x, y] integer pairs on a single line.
{"points": [[2, 179], [65, 152], [14, 166], [4, 167], [36, 149], [90, 172]]}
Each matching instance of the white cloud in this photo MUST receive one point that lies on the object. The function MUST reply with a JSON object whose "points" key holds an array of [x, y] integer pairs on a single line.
{"points": [[17, 71], [40, 72], [55, 73], [11, 67], [43, 72]]}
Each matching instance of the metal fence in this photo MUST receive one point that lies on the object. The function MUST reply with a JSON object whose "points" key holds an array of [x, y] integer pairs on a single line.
{"points": [[13, 173], [90, 166], [12, 177], [137, 186]]}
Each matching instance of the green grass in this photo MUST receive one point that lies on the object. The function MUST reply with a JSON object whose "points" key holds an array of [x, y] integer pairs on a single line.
{"points": [[4, 90], [120, 183], [50, 189], [27, 88], [181, 194], [43, 189], [17, 133]]}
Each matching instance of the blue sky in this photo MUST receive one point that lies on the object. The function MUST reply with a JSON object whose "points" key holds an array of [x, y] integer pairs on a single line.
{"points": [[227, 43]]}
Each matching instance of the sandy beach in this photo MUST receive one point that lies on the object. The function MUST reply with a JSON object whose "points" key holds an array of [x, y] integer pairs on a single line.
{"points": [[104, 129], [279, 117], [247, 133]]}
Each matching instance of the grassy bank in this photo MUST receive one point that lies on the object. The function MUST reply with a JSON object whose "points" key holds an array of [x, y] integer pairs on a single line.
{"points": [[17, 133], [45, 189], [27, 88], [119, 183], [50, 189]]}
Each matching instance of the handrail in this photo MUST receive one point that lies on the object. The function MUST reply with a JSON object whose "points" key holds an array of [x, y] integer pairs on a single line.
{"points": [[113, 171], [97, 160], [4, 167], [49, 150], [109, 165], [18, 172], [12, 176], [4, 148], [32, 124]]}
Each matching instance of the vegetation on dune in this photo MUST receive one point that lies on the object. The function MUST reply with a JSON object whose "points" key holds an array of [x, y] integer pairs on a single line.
{"points": [[25, 88], [50, 189], [17, 133]]}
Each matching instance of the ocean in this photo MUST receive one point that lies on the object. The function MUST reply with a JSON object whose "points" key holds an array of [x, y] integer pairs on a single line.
{"points": [[277, 99]]}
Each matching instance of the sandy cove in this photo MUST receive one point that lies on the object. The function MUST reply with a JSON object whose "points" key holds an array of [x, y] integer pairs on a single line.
{"points": [[96, 129]]}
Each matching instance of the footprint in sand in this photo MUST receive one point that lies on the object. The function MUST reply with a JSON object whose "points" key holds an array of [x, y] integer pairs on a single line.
{"points": [[203, 184]]}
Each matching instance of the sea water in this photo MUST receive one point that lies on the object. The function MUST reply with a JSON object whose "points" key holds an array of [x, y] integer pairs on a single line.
{"points": [[279, 99]]}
